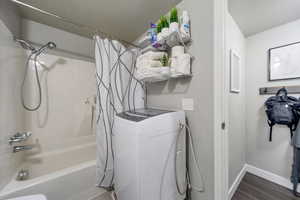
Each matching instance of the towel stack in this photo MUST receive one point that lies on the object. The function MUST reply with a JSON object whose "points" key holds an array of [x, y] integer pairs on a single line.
{"points": [[150, 59], [150, 67]]}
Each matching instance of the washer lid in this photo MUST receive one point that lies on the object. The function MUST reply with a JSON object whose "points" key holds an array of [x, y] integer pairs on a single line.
{"points": [[142, 114]]}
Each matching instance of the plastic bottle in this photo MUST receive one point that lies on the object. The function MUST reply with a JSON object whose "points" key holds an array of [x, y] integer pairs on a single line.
{"points": [[152, 33], [185, 25]]}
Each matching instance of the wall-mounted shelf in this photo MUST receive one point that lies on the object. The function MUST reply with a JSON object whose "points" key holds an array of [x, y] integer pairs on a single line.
{"points": [[295, 89], [158, 74], [168, 42]]}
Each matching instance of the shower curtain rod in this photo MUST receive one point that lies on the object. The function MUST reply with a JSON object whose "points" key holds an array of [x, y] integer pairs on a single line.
{"points": [[96, 31]]}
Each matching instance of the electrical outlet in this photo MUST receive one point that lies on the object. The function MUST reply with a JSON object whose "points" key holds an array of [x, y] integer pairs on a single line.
{"points": [[188, 104]]}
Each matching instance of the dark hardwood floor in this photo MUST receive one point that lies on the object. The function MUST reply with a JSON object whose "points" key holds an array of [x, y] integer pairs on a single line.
{"points": [[256, 188]]}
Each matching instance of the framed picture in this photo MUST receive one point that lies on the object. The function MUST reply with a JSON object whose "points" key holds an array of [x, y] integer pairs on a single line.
{"points": [[284, 62], [235, 72]]}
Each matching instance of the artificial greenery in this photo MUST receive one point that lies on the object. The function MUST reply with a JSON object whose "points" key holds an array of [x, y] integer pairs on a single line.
{"points": [[164, 60], [164, 22], [174, 15], [167, 23], [159, 27]]}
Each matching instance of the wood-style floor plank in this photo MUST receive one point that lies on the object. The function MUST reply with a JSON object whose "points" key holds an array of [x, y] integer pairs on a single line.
{"points": [[255, 188]]}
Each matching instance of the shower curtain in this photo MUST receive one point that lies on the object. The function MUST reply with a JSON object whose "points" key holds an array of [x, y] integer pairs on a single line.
{"points": [[117, 91]]}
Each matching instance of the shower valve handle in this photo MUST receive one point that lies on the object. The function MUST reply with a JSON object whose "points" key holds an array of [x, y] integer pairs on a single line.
{"points": [[19, 137]]}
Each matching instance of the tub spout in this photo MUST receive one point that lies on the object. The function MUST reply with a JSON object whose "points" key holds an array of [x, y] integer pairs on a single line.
{"points": [[22, 148]]}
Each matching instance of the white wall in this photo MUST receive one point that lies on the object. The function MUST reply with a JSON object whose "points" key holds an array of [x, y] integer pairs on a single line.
{"points": [[11, 113], [200, 88], [41, 34], [236, 128], [64, 118], [276, 156]]}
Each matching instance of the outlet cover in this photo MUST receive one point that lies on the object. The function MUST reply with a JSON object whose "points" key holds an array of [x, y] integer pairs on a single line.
{"points": [[188, 104]]}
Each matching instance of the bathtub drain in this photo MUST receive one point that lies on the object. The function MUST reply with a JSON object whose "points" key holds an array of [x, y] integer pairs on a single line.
{"points": [[22, 175]]}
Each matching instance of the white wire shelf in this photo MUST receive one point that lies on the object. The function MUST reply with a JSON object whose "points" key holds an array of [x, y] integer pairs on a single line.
{"points": [[159, 74], [173, 39]]}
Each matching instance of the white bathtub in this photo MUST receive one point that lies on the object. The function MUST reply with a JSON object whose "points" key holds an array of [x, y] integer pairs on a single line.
{"points": [[68, 174]]}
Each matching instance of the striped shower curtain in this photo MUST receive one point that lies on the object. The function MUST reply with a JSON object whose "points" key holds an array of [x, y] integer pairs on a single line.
{"points": [[117, 91]]}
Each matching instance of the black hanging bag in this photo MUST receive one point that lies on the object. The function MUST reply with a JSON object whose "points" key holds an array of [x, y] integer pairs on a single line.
{"points": [[281, 110]]}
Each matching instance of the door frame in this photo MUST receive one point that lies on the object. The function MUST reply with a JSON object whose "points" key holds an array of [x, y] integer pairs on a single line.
{"points": [[221, 100]]}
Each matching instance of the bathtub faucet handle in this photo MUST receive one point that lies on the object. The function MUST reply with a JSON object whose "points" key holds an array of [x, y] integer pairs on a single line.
{"points": [[22, 148], [19, 137]]}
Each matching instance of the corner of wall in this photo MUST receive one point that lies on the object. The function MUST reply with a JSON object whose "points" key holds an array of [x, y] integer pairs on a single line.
{"points": [[10, 15]]}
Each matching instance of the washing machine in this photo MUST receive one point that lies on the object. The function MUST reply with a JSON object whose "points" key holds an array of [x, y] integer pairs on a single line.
{"points": [[145, 143]]}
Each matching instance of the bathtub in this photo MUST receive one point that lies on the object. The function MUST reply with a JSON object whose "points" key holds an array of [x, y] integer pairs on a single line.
{"points": [[68, 174]]}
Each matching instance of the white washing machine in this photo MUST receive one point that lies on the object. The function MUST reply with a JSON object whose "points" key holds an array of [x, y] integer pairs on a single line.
{"points": [[145, 145]]}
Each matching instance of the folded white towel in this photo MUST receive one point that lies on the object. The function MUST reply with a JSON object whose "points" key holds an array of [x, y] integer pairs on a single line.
{"points": [[151, 55], [148, 63], [152, 73]]}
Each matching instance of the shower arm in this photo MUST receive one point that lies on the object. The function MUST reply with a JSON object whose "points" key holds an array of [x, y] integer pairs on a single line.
{"points": [[58, 50]]}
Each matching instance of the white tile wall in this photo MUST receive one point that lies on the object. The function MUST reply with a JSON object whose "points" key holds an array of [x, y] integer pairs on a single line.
{"points": [[11, 113], [64, 118]]}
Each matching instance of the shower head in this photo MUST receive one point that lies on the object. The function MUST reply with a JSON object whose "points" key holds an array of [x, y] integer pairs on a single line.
{"points": [[26, 45], [49, 45]]}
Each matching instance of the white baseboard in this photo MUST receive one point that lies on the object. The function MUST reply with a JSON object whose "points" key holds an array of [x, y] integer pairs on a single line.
{"points": [[237, 182], [270, 176], [284, 182]]}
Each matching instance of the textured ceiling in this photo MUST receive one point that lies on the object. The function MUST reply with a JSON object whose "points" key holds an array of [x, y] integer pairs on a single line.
{"points": [[254, 16], [125, 19]]}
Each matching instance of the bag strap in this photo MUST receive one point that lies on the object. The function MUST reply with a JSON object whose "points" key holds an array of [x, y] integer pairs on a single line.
{"points": [[271, 124], [291, 131], [270, 134]]}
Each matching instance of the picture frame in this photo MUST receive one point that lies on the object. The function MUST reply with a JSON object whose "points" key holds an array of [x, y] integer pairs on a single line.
{"points": [[284, 62], [235, 72]]}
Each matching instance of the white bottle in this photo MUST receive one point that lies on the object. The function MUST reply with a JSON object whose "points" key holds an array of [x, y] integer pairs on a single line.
{"points": [[185, 25]]}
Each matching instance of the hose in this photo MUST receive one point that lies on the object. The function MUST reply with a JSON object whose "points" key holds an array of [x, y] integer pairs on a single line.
{"points": [[37, 80], [188, 183]]}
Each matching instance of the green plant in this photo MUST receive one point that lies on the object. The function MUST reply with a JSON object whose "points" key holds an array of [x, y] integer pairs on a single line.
{"points": [[164, 60], [167, 23], [174, 15], [164, 22], [159, 27]]}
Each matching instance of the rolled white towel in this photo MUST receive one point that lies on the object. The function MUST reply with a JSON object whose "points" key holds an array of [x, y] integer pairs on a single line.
{"points": [[174, 62], [177, 51], [183, 64]]}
